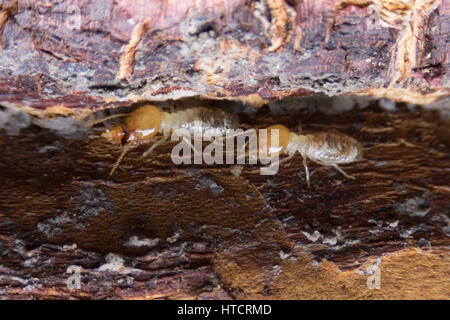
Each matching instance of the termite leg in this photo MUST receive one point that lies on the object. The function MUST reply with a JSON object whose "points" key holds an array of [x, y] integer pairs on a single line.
{"points": [[156, 144], [337, 168], [343, 172], [280, 162], [119, 160], [93, 123], [286, 159]]}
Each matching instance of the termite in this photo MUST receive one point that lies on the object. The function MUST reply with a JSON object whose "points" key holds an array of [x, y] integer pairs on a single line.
{"points": [[324, 148], [145, 123]]}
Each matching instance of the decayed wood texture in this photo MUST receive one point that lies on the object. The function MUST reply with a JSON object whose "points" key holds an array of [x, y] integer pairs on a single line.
{"points": [[156, 230], [70, 56]]}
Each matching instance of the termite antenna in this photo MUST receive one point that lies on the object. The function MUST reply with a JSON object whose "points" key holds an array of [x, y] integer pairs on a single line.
{"points": [[93, 123], [126, 148], [156, 144]]}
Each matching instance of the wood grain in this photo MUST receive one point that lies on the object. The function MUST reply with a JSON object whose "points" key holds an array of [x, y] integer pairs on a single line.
{"points": [[156, 230], [75, 57]]}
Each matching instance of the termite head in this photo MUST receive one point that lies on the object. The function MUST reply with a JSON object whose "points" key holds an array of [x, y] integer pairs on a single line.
{"points": [[140, 125], [117, 133], [274, 145]]}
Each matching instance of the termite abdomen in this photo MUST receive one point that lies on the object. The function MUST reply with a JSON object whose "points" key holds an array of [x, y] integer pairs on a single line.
{"points": [[199, 118], [333, 148]]}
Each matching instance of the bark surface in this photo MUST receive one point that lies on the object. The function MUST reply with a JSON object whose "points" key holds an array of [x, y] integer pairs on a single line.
{"points": [[69, 56]]}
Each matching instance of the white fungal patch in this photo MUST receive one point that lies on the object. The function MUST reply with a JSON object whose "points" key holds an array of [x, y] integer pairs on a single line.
{"points": [[207, 183], [335, 241], [134, 241], [394, 224], [406, 233], [44, 149], [330, 240], [442, 106], [175, 236], [115, 263], [414, 207], [312, 237], [371, 269], [13, 120], [284, 255], [387, 104], [63, 126]]}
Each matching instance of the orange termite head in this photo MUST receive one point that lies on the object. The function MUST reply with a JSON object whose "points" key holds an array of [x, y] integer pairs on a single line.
{"points": [[141, 125], [279, 143], [117, 133]]}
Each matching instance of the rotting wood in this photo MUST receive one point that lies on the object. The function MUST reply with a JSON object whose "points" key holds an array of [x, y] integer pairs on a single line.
{"points": [[251, 51], [156, 230]]}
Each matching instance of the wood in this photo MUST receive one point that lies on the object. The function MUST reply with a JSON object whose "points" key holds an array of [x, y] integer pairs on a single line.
{"points": [[75, 57], [199, 231], [159, 231]]}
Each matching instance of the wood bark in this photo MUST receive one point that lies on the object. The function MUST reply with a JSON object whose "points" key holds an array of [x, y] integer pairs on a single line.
{"points": [[156, 230], [71, 56]]}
